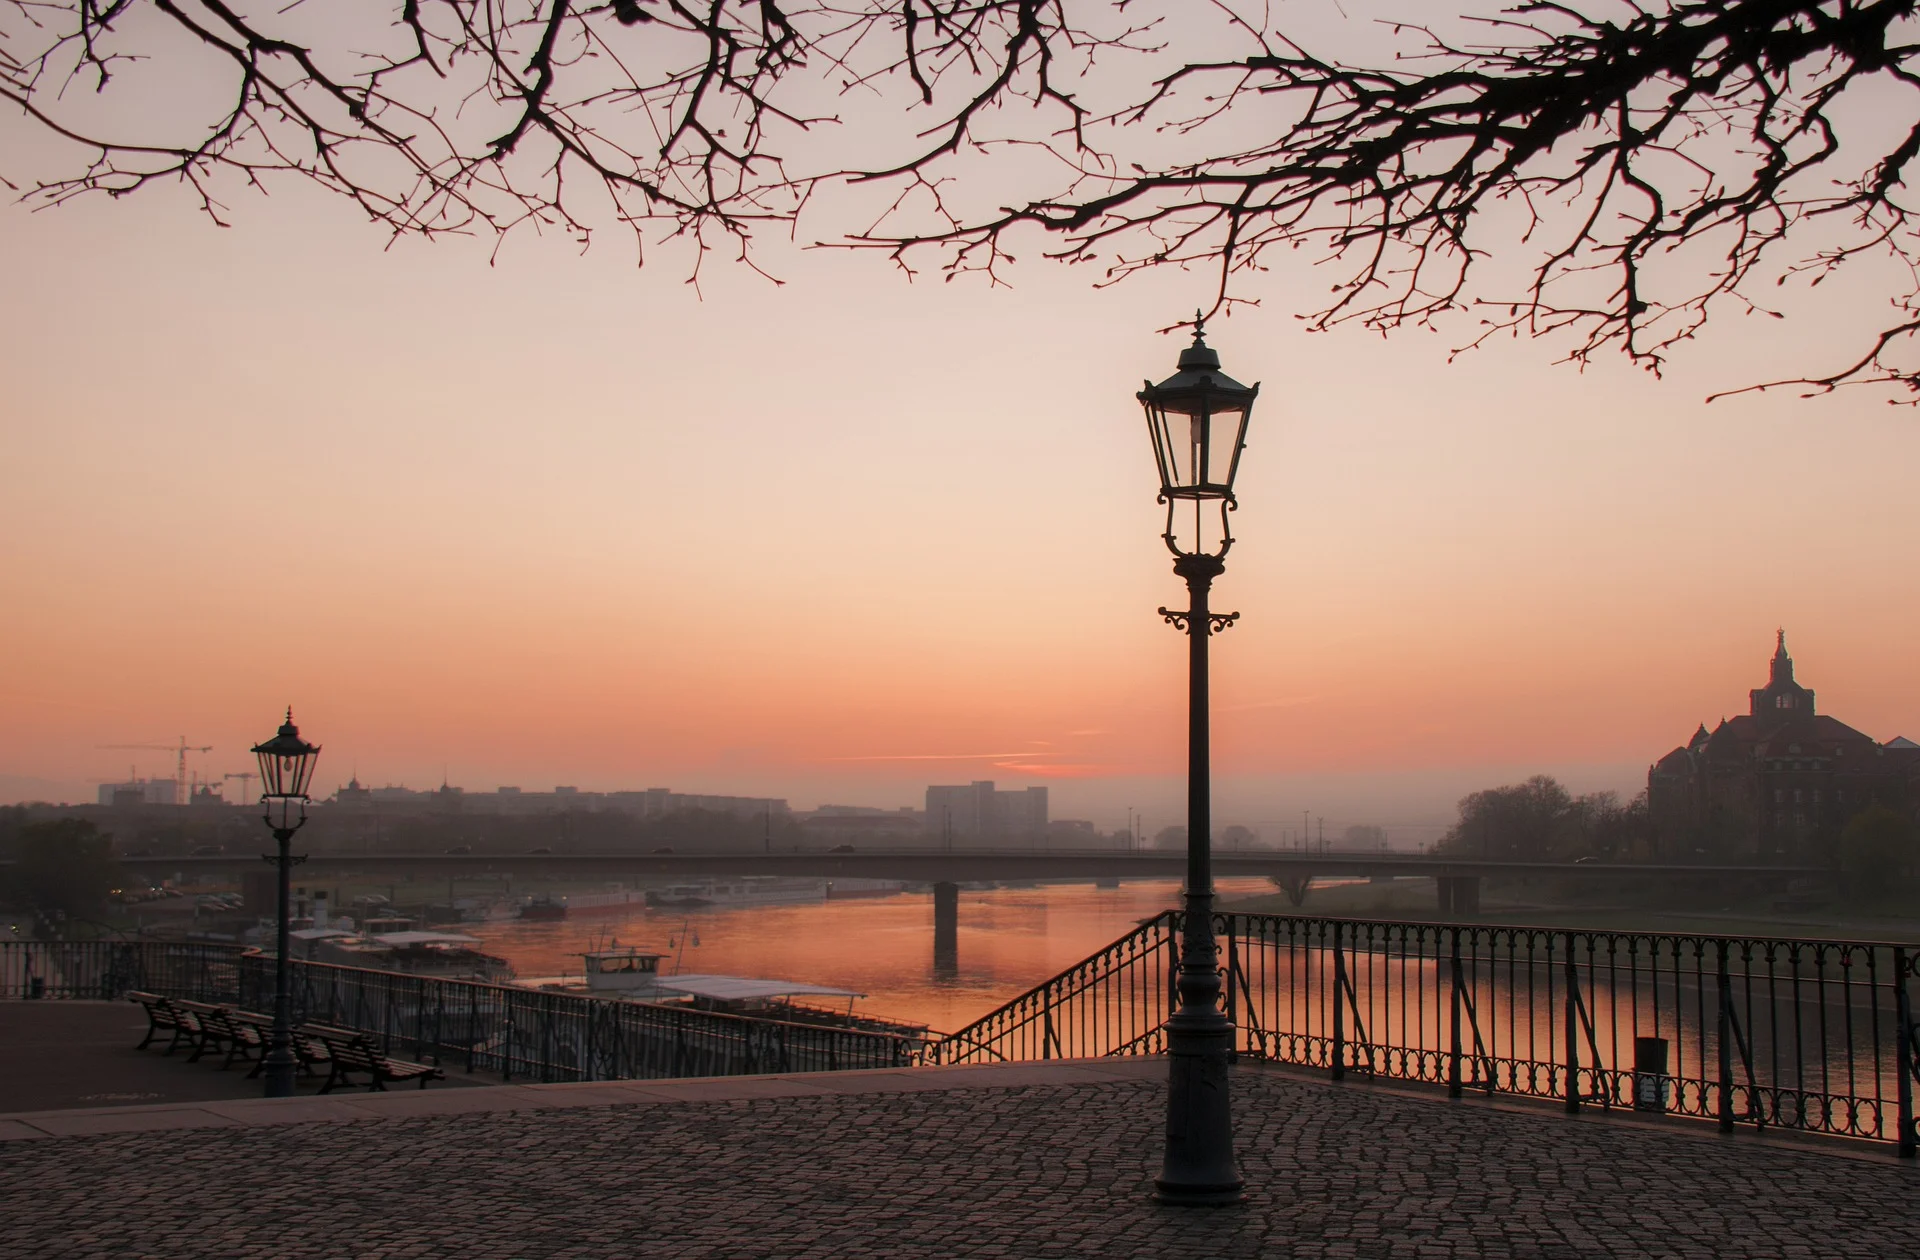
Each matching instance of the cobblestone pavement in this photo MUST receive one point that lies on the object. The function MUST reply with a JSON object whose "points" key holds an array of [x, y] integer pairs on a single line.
{"points": [[1037, 1170]]}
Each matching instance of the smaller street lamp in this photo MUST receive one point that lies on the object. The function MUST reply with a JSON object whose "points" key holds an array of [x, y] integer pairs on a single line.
{"points": [[1198, 421], [286, 768]]}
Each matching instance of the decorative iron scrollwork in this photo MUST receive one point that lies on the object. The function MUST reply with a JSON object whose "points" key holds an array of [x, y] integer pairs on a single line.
{"points": [[1216, 622]]}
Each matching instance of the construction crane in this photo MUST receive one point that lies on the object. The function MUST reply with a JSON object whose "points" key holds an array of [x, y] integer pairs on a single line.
{"points": [[245, 777], [181, 749]]}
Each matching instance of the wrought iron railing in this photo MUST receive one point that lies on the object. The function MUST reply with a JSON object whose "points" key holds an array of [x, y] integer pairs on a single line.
{"points": [[1809, 1035], [546, 1036], [105, 970], [1112, 1003], [517, 1033]]}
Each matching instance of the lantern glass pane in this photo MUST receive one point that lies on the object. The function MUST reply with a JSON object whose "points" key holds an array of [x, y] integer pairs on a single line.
{"points": [[1156, 430], [270, 780], [302, 771], [1225, 428], [1177, 431]]}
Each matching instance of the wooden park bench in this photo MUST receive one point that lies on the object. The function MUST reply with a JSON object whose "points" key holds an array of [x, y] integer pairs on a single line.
{"points": [[240, 1035], [307, 1051], [217, 1030], [165, 1015], [353, 1052]]}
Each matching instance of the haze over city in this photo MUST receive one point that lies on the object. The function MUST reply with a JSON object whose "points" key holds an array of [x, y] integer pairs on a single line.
{"points": [[553, 521]]}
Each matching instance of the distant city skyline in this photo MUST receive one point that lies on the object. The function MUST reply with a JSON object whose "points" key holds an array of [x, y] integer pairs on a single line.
{"points": [[1414, 806]]}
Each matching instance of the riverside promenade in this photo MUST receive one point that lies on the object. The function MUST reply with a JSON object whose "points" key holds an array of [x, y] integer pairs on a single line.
{"points": [[1027, 1160]]}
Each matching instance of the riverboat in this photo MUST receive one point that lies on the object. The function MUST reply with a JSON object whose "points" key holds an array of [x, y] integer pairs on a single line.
{"points": [[750, 890], [618, 899], [442, 955], [616, 971], [542, 907], [842, 888], [755, 998], [632, 974]]}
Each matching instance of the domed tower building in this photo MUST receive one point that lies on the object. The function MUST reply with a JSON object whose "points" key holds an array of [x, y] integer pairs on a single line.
{"points": [[1781, 697], [1775, 784]]}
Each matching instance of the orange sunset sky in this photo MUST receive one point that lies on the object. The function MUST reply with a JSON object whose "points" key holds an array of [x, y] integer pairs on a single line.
{"points": [[559, 520]]}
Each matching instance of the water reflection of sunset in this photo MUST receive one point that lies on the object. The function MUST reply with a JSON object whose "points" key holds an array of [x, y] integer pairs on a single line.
{"points": [[1010, 940]]}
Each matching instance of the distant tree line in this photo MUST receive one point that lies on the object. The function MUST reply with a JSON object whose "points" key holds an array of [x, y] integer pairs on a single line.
{"points": [[1879, 855], [63, 870], [1541, 821]]}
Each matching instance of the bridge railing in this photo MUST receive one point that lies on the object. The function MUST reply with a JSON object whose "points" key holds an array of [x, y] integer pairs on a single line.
{"points": [[1807, 1035], [521, 1034]]}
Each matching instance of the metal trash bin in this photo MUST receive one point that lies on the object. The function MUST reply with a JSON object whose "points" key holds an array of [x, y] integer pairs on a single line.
{"points": [[1650, 1080]]}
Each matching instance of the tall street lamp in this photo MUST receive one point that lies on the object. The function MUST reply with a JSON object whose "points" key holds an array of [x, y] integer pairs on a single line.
{"points": [[1198, 421], [286, 767]]}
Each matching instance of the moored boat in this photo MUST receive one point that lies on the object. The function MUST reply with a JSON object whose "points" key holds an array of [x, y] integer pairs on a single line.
{"points": [[749, 890], [444, 955], [541, 906], [632, 974]]}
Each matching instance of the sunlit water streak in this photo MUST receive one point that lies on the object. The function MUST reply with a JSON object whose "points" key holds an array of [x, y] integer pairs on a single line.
{"points": [[1009, 940]]}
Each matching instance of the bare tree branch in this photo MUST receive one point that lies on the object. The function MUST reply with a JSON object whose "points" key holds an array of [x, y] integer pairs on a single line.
{"points": [[1646, 165]]}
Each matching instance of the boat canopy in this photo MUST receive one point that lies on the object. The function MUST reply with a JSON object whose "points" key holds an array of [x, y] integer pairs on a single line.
{"points": [[426, 938], [318, 934], [747, 988]]}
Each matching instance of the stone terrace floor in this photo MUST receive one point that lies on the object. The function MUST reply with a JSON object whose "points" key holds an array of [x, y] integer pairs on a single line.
{"points": [[1022, 1161], [81, 1054]]}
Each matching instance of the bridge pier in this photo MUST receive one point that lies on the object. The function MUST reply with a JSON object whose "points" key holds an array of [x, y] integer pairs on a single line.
{"points": [[1459, 894], [946, 930]]}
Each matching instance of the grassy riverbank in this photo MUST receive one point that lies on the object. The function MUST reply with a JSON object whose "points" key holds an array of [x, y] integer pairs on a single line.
{"points": [[1415, 900]]}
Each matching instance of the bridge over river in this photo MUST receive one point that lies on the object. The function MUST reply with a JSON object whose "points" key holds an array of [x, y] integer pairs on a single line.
{"points": [[1457, 879]]}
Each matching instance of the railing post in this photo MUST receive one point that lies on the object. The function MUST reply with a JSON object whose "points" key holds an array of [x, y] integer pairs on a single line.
{"points": [[1571, 1019], [1339, 1007], [589, 1018], [1904, 1052], [1726, 1042], [1233, 983], [547, 1031], [1173, 964], [508, 1026], [1453, 1054]]}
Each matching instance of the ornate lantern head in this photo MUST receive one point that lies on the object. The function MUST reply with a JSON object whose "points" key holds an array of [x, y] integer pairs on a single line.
{"points": [[1198, 421], [286, 768]]}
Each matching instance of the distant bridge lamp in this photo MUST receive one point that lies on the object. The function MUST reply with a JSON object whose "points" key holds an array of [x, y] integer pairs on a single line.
{"points": [[286, 770], [1197, 419]]}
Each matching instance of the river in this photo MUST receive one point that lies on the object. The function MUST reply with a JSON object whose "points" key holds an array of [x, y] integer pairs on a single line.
{"points": [[1009, 940]]}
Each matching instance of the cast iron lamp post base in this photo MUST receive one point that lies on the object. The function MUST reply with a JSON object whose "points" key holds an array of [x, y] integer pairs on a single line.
{"points": [[1199, 1168]]}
